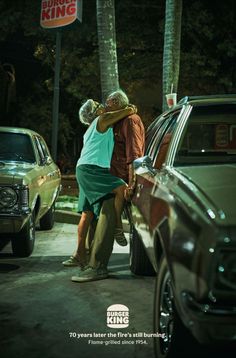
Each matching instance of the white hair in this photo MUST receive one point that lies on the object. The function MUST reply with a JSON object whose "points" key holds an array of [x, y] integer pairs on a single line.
{"points": [[121, 98], [87, 112]]}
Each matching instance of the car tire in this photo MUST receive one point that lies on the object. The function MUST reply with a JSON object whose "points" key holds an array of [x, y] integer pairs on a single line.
{"points": [[47, 221], [23, 242], [139, 261], [177, 340]]}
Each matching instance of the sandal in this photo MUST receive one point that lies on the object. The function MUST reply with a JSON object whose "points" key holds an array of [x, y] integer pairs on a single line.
{"points": [[120, 238], [73, 261]]}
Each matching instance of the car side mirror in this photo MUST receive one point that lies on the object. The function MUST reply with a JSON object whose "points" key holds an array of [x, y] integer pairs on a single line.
{"points": [[46, 160], [144, 164]]}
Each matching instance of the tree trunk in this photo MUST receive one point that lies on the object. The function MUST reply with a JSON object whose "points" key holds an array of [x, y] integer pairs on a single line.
{"points": [[171, 53], [107, 46]]}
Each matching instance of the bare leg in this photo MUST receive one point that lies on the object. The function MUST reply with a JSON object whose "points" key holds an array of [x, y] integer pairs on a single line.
{"points": [[85, 221], [104, 235], [119, 204]]}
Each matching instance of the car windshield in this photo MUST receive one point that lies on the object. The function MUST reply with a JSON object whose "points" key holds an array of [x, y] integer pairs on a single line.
{"points": [[16, 147], [209, 136]]}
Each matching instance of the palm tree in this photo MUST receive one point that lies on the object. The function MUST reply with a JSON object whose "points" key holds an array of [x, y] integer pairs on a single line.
{"points": [[107, 46], [171, 53]]}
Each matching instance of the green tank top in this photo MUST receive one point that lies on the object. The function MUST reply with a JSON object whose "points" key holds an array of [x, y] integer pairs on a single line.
{"points": [[97, 147]]}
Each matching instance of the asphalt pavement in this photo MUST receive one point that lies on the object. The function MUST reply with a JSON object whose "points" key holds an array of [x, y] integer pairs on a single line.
{"points": [[45, 314]]}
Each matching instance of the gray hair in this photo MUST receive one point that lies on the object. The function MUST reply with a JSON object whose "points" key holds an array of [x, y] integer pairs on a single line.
{"points": [[120, 97], [87, 112]]}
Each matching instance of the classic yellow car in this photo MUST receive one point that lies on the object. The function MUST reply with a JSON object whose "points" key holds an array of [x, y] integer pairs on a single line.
{"points": [[29, 185]]}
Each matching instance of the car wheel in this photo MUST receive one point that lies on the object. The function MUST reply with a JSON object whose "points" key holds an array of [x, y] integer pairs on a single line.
{"points": [[47, 221], [139, 261], [23, 242], [174, 339]]}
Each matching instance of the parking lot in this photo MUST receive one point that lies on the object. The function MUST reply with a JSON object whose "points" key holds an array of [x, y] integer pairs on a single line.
{"points": [[43, 313]]}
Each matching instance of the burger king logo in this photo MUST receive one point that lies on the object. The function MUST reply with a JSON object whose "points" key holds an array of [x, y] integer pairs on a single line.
{"points": [[117, 316]]}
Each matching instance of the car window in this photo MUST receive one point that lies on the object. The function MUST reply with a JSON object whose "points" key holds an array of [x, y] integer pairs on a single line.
{"points": [[157, 135], [39, 149], [42, 149], [16, 147], [209, 136], [152, 133], [166, 133]]}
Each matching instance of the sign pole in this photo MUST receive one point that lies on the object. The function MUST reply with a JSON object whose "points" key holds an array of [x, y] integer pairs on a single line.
{"points": [[56, 14], [56, 93]]}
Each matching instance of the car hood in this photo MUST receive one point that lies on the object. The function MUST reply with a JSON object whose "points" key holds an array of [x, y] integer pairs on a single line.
{"points": [[217, 183], [14, 172]]}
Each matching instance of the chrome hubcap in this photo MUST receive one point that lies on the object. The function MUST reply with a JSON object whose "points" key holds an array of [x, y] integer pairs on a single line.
{"points": [[166, 315]]}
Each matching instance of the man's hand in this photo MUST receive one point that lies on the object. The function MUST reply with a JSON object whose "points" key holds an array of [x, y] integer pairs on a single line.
{"points": [[129, 190], [128, 193], [134, 108]]}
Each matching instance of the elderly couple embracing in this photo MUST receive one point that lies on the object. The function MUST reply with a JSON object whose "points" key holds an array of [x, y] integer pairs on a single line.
{"points": [[104, 172]]}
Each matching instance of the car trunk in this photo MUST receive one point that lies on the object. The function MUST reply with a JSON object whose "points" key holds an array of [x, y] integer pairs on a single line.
{"points": [[218, 184]]}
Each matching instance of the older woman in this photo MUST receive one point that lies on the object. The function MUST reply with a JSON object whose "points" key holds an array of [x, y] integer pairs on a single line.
{"points": [[93, 172]]}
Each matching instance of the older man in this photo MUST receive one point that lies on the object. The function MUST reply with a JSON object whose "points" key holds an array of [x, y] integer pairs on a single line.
{"points": [[129, 144]]}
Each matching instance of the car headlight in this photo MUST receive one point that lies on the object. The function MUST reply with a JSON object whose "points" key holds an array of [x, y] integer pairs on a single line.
{"points": [[8, 197]]}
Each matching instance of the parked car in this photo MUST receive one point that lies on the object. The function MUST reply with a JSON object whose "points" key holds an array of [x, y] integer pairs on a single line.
{"points": [[184, 222], [29, 186]]}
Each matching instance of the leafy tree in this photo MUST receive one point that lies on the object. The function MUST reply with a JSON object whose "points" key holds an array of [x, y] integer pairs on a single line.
{"points": [[139, 32], [32, 50], [208, 50], [208, 54]]}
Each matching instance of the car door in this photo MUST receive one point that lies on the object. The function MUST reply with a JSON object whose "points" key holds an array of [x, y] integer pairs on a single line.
{"points": [[49, 176], [149, 208]]}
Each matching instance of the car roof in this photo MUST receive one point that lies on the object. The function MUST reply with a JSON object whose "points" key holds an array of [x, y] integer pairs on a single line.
{"points": [[195, 101], [18, 130], [207, 99]]}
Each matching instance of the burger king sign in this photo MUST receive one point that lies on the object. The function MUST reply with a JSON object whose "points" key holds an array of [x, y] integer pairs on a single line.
{"points": [[58, 13]]}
